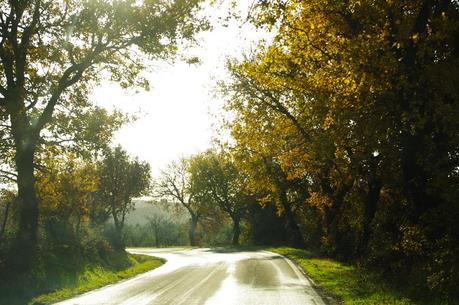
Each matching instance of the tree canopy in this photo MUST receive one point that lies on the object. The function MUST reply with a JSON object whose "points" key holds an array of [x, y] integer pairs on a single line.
{"points": [[353, 106], [120, 180], [53, 52], [218, 184]]}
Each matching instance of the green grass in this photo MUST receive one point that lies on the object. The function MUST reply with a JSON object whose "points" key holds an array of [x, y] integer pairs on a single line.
{"points": [[96, 277], [91, 276], [346, 284]]}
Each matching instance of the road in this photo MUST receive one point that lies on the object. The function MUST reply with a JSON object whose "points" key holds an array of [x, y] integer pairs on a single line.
{"points": [[210, 277]]}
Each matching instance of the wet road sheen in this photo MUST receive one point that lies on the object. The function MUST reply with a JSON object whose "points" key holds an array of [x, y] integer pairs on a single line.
{"points": [[210, 277]]}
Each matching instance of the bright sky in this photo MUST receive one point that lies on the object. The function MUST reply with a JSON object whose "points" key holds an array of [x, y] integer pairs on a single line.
{"points": [[177, 114]]}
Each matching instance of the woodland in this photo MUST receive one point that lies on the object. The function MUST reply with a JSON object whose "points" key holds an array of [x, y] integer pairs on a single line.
{"points": [[344, 137]]}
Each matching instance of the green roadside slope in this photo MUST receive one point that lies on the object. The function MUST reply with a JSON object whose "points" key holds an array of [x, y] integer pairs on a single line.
{"points": [[350, 285], [75, 282]]}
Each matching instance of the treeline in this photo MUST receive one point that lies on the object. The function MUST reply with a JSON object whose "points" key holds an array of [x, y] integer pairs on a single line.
{"points": [[348, 121], [84, 204], [222, 207], [151, 224]]}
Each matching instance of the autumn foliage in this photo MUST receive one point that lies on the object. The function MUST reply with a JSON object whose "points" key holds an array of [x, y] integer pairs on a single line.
{"points": [[348, 120]]}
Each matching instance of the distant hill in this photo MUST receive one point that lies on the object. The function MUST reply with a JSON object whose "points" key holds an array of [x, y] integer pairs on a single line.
{"points": [[147, 208]]}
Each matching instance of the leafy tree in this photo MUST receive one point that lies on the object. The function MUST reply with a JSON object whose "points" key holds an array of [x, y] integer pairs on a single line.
{"points": [[175, 185], [53, 52], [66, 187], [85, 131], [120, 180], [260, 155], [217, 182]]}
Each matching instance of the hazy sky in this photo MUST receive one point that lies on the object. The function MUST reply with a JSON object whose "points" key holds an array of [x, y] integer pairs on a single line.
{"points": [[175, 116]]}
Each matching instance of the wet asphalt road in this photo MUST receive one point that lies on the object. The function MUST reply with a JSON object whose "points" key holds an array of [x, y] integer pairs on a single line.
{"points": [[211, 277]]}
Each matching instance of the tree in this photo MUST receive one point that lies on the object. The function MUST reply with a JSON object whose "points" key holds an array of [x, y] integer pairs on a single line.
{"points": [[217, 182], [66, 187], [120, 180], [52, 53], [262, 154], [6, 200], [175, 184]]}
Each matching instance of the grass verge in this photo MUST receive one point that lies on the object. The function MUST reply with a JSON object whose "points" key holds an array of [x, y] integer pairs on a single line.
{"points": [[94, 277], [87, 278], [347, 284]]}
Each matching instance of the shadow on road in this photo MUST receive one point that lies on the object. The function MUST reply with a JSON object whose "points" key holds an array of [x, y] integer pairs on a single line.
{"points": [[232, 249]]}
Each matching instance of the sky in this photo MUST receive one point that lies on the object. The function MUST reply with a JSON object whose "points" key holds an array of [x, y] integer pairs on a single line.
{"points": [[176, 116]]}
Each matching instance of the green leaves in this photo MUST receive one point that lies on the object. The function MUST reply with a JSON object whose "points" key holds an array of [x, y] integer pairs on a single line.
{"points": [[58, 55], [121, 179], [87, 131], [217, 181]]}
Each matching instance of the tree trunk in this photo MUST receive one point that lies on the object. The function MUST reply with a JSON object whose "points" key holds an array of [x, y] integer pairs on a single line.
{"points": [[332, 215], [118, 242], [157, 235], [5, 218], [236, 230], [192, 231], [296, 238], [371, 202], [24, 247], [415, 177]]}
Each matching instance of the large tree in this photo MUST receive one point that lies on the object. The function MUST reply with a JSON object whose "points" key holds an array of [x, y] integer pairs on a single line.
{"points": [[53, 52], [121, 179], [218, 183]]}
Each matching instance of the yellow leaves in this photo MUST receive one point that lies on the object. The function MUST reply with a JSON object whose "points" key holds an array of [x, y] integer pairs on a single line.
{"points": [[339, 153], [318, 200], [66, 185], [295, 163], [48, 193], [328, 122]]}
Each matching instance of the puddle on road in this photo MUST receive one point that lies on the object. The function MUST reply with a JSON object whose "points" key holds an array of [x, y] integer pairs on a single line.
{"points": [[258, 273]]}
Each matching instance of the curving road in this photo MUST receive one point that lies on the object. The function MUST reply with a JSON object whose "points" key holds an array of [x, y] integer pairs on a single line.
{"points": [[210, 277]]}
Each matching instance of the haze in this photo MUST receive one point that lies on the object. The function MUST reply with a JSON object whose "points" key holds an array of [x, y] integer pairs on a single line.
{"points": [[175, 117]]}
